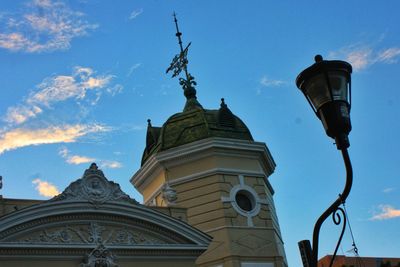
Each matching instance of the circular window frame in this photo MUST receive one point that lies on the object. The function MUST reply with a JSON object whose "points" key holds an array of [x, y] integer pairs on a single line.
{"points": [[251, 194]]}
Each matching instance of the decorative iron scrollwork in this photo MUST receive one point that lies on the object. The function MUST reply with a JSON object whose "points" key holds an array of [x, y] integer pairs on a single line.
{"points": [[337, 216]]}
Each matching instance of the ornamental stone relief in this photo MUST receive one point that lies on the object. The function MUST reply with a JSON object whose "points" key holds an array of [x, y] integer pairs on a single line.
{"points": [[169, 194], [100, 257], [94, 188], [93, 233]]}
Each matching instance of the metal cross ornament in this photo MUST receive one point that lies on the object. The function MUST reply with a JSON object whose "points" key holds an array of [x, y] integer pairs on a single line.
{"points": [[180, 62]]}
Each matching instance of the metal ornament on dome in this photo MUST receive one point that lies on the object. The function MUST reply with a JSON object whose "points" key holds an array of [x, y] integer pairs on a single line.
{"points": [[179, 63]]}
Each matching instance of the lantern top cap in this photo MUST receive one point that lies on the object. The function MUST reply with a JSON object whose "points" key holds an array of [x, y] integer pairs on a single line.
{"points": [[322, 66], [318, 58]]}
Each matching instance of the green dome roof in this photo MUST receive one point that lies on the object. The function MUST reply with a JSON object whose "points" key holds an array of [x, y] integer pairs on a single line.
{"points": [[192, 125]]}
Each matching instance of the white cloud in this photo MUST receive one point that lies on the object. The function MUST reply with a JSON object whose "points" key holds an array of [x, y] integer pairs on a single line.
{"points": [[110, 164], [267, 82], [133, 68], [388, 190], [82, 71], [138, 127], [60, 88], [99, 82], [20, 137], [55, 89], [46, 26], [77, 159], [45, 189], [135, 13], [359, 59], [20, 114], [15, 41], [389, 55], [363, 56], [74, 159], [116, 89], [63, 152], [386, 212]]}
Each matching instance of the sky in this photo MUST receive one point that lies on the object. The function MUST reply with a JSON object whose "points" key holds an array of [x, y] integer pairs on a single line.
{"points": [[79, 79]]}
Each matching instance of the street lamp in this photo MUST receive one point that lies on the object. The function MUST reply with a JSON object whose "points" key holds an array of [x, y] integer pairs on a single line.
{"points": [[327, 87]]}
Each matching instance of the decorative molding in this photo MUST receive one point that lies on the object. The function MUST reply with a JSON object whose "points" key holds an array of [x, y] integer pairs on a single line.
{"points": [[151, 170], [94, 188], [226, 171], [184, 151], [257, 264], [114, 215], [167, 253], [92, 228], [90, 233], [200, 149]]}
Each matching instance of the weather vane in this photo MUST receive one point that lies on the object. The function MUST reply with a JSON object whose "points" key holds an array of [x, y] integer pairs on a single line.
{"points": [[179, 63]]}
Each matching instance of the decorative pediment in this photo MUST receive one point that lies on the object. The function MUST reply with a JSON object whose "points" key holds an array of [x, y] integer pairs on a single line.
{"points": [[94, 188], [82, 233], [93, 217]]}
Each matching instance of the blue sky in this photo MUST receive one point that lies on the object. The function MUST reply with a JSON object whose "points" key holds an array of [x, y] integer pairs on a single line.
{"points": [[79, 79]]}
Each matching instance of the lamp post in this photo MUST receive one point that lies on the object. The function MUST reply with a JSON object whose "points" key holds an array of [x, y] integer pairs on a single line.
{"points": [[327, 87]]}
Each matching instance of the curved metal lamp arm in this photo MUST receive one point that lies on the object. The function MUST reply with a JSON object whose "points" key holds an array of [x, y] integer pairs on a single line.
{"points": [[333, 209]]}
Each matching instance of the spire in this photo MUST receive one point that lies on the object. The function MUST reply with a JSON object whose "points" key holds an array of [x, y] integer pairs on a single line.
{"points": [[179, 63], [150, 138], [223, 105], [225, 116]]}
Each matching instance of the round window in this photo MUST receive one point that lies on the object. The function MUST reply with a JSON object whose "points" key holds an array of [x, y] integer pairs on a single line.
{"points": [[245, 200]]}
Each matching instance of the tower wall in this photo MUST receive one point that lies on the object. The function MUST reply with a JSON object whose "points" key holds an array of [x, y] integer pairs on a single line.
{"points": [[207, 177]]}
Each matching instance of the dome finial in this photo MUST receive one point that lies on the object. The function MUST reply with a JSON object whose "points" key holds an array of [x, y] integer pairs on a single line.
{"points": [[223, 105], [93, 166], [179, 63], [148, 122]]}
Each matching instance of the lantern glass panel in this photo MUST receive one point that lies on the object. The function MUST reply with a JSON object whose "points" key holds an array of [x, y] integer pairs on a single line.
{"points": [[339, 84], [317, 90]]}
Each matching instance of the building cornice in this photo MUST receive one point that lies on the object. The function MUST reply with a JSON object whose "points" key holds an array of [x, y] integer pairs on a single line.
{"points": [[200, 149]]}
